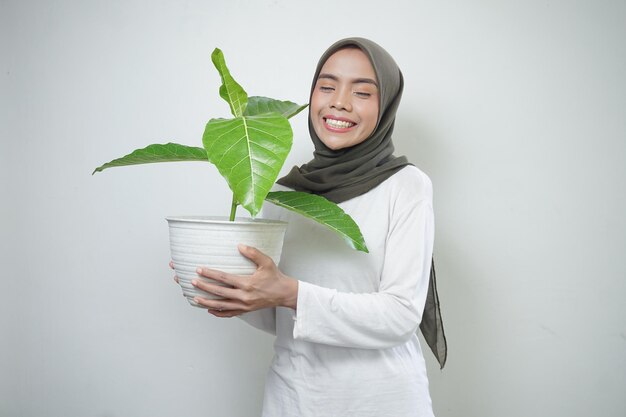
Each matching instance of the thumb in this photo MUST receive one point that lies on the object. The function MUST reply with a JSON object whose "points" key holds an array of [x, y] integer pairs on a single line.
{"points": [[255, 255]]}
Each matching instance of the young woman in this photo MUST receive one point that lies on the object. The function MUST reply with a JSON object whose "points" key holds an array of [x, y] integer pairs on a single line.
{"points": [[345, 321]]}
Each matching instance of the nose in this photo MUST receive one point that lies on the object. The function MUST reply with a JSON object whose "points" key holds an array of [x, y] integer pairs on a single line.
{"points": [[342, 100]]}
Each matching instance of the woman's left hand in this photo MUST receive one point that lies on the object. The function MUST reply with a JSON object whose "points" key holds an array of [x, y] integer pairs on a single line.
{"points": [[267, 287]]}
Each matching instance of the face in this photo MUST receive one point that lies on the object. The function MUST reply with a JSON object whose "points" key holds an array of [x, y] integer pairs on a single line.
{"points": [[344, 103]]}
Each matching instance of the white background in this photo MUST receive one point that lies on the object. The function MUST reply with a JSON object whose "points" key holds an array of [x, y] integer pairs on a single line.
{"points": [[515, 109]]}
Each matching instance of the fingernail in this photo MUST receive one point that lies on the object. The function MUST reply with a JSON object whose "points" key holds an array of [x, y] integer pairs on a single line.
{"points": [[194, 283], [199, 270]]}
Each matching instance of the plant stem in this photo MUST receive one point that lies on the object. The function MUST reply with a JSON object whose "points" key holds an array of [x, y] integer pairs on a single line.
{"points": [[233, 208]]}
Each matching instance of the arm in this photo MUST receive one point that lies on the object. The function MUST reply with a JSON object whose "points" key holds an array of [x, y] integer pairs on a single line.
{"points": [[385, 318], [377, 320]]}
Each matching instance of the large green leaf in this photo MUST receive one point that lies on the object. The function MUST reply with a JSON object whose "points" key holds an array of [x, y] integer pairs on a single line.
{"points": [[230, 90], [249, 153], [169, 152], [322, 211], [260, 105]]}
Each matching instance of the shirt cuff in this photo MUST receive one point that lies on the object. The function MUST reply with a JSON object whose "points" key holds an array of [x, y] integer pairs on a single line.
{"points": [[311, 315], [300, 315]]}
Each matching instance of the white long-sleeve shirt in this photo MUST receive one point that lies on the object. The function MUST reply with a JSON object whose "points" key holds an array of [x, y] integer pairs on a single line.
{"points": [[350, 348]]}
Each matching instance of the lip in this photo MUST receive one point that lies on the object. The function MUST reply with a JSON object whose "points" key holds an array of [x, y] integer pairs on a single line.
{"points": [[338, 118]]}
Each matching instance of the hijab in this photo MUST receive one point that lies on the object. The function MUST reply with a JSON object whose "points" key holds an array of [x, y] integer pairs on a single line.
{"points": [[340, 175]]}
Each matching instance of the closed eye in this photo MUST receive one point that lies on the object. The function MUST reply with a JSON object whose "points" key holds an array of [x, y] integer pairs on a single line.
{"points": [[326, 88], [362, 94]]}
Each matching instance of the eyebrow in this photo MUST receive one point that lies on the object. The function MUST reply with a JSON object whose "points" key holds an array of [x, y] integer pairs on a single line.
{"points": [[355, 81]]}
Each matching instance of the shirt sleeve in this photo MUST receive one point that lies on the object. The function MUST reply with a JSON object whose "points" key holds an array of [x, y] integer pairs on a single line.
{"points": [[385, 318], [264, 319]]}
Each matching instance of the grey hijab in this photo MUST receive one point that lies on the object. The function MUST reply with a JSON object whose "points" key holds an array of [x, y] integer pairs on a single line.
{"points": [[340, 175], [346, 173]]}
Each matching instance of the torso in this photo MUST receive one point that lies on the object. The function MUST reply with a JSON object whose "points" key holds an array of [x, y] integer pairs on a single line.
{"points": [[314, 379]]}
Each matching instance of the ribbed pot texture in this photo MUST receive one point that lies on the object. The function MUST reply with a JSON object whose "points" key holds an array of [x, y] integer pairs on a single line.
{"points": [[212, 242]]}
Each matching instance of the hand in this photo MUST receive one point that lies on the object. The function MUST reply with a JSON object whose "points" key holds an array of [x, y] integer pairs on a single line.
{"points": [[175, 276], [267, 287]]}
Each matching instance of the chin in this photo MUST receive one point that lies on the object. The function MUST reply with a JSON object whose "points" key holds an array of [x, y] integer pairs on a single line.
{"points": [[332, 145]]}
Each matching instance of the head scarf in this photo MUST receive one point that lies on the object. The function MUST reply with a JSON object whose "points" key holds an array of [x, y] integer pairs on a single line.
{"points": [[340, 175]]}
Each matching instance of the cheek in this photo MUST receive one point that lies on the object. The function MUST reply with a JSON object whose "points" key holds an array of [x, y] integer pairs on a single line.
{"points": [[314, 114], [370, 116], [316, 102]]}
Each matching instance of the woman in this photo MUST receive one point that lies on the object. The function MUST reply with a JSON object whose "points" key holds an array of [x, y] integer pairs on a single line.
{"points": [[345, 321]]}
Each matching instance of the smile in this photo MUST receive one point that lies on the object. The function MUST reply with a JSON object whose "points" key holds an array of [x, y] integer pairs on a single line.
{"points": [[338, 124]]}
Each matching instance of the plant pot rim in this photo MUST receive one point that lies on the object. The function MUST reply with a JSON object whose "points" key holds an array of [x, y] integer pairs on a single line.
{"points": [[221, 220]]}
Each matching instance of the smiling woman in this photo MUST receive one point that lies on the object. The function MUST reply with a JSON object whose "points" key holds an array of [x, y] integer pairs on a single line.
{"points": [[345, 321]]}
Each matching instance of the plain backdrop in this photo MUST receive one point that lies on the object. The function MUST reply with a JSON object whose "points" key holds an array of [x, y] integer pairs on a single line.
{"points": [[516, 110]]}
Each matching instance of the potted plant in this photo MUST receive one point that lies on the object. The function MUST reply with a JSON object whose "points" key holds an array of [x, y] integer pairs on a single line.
{"points": [[249, 151]]}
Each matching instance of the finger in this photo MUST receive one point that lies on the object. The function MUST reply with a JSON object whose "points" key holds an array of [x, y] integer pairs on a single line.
{"points": [[226, 314], [176, 279], [220, 276], [220, 305], [255, 255], [172, 264], [219, 290]]}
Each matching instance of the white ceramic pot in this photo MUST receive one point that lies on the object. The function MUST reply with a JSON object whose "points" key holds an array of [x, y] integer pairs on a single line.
{"points": [[212, 242]]}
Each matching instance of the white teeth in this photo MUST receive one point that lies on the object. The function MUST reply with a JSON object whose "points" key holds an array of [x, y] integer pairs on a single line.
{"points": [[340, 124]]}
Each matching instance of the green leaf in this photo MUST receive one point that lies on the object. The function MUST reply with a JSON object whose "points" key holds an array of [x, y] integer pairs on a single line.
{"points": [[322, 211], [169, 152], [260, 105], [230, 90], [249, 153]]}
